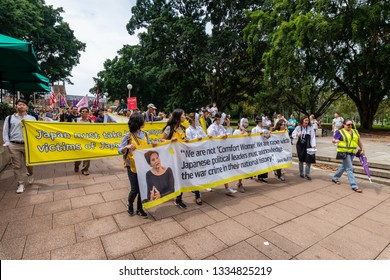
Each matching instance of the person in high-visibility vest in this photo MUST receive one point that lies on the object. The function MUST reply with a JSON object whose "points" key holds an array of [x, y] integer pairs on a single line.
{"points": [[348, 140]]}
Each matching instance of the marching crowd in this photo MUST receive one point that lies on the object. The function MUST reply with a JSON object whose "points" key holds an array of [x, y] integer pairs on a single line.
{"points": [[208, 122]]}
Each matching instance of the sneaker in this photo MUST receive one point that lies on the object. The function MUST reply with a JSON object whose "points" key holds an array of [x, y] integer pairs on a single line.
{"points": [[263, 180], [130, 210], [20, 188], [281, 179], [180, 203], [230, 191], [240, 188], [209, 190], [198, 201], [85, 172], [308, 177], [142, 213], [30, 179]]}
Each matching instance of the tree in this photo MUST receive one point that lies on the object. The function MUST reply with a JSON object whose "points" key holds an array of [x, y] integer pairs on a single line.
{"points": [[327, 47], [56, 47], [197, 50], [130, 66]]}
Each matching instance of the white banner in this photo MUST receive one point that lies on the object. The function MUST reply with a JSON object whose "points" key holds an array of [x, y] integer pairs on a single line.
{"points": [[178, 167]]}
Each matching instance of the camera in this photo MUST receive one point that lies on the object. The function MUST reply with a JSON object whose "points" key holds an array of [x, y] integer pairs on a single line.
{"points": [[228, 116]]}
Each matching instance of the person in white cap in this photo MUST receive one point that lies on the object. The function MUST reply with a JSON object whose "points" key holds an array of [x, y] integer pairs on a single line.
{"points": [[149, 115]]}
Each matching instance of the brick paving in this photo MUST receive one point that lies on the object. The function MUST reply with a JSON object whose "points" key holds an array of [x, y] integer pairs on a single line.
{"points": [[66, 215]]}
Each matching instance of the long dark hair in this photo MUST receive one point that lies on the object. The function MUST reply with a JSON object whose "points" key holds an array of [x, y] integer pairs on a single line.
{"points": [[279, 124], [174, 121]]}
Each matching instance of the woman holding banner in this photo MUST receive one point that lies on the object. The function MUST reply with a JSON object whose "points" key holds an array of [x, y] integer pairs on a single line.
{"points": [[241, 130], [259, 129], [195, 132], [175, 131], [280, 126], [217, 130], [136, 137]]}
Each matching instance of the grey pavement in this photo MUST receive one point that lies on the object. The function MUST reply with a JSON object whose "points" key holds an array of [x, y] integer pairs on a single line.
{"points": [[66, 215]]}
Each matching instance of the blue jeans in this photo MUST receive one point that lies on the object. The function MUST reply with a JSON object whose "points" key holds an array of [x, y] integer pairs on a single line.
{"points": [[307, 168], [347, 165]]}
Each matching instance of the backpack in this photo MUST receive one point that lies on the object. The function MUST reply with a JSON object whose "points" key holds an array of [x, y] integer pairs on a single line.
{"points": [[9, 126]]}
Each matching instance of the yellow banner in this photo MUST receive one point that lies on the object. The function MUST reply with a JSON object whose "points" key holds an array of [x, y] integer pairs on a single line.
{"points": [[54, 142], [171, 168]]}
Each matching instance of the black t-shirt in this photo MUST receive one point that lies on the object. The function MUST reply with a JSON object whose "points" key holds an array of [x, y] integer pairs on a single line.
{"points": [[71, 117], [164, 183]]}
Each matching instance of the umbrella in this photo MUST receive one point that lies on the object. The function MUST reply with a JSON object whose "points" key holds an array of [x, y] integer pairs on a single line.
{"points": [[26, 86], [18, 63], [363, 161], [15, 77], [17, 55]]}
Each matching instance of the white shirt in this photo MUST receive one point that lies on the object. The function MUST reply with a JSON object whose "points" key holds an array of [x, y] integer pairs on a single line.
{"points": [[15, 131], [214, 109], [337, 123], [239, 132], [305, 130], [195, 132], [257, 129], [217, 130]]}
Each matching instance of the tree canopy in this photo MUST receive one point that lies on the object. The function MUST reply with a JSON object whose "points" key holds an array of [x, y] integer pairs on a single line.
{"points": [[321, 49], [193, 50], [256, 55]]}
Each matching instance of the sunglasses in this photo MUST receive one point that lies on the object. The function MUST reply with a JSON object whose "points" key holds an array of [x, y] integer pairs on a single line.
{"points": [[348, 124]]}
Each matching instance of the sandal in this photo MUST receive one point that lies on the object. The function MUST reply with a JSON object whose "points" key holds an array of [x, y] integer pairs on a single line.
{"points": [[337, 182], [358, 190]]}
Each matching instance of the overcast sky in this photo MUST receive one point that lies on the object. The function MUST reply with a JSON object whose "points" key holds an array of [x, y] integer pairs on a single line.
{"points": [[101, 25]]}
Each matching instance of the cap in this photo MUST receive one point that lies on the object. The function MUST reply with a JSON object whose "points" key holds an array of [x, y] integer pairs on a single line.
{"points": [[151, 105]]}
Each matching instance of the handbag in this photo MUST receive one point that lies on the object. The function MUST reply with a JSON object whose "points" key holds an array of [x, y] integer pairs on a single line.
{"points": [[311, 155], [341, 155]]}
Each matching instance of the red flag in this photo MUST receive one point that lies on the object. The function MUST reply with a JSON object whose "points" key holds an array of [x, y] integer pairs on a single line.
{"points": [[96, 102]]}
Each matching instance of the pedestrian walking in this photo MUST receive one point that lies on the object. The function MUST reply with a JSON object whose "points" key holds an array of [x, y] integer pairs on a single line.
{"points": [[135, 138], [305, 135], [175, 131], [347, 140], [84, 113], [14, 140]]}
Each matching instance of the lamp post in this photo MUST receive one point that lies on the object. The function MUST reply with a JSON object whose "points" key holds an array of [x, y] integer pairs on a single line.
{"points": [[129, 87]]}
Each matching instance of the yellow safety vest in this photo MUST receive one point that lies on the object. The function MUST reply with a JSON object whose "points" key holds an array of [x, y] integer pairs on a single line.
{"points": [[349, 143]]}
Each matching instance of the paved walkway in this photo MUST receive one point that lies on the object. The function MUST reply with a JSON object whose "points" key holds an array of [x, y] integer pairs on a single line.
{"points": [[65, 215]]}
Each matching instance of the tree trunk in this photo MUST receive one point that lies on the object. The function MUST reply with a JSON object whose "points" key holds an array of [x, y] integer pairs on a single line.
{"points": [[367, 113]]}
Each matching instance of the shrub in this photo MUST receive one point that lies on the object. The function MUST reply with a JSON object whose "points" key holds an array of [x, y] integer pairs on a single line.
{"points": [[5, 110]]}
